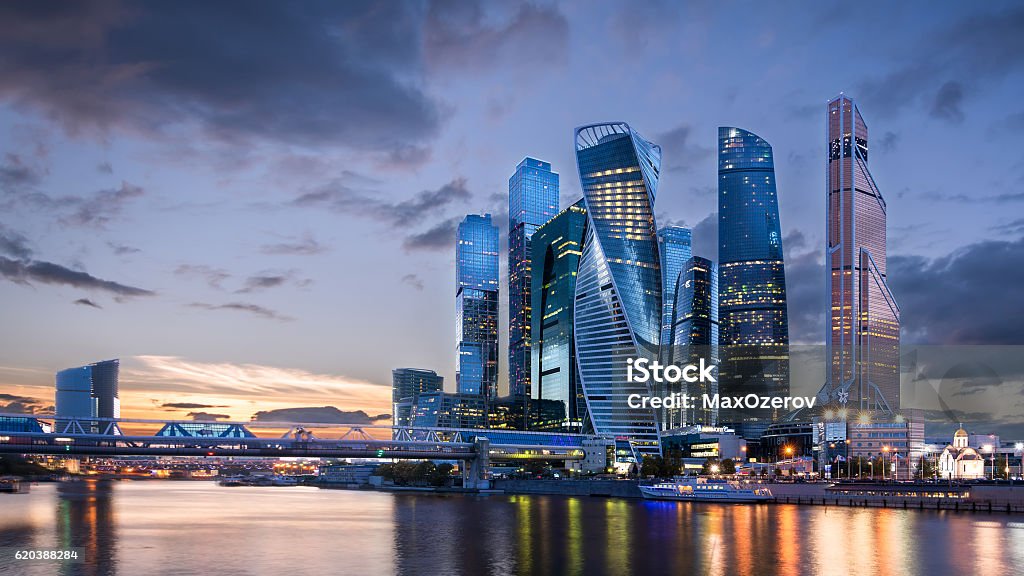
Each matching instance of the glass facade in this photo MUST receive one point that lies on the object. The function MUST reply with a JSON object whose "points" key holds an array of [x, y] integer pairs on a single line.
{"points": [[752, 275], [89, 391], [406, 384], [532, 201], [863, 332], [476, 306], [674, 249], [443, 410], [618, 288], [695, 336], [557, 247]]}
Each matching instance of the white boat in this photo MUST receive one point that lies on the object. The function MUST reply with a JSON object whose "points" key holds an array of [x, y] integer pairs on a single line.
{"points": [[706, 490]]}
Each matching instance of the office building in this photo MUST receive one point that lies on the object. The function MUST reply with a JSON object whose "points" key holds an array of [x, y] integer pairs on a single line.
{"points": [[674, 249], [618, 287], [532, 201], [445, 410], [694, 336], [406, 384], [88, 391], [476, 306], [557, 246], [862, 339], [754, 334]]}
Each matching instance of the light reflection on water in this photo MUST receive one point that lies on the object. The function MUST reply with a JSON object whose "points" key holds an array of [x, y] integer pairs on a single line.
{"points": [[153, 527]]}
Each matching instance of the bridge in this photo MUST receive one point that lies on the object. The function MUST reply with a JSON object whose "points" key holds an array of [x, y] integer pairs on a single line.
{"points": [[475, 448]]}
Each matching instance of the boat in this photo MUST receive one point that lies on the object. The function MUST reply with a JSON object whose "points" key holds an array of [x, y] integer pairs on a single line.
{"points": [[705, 490], [232, 481]]}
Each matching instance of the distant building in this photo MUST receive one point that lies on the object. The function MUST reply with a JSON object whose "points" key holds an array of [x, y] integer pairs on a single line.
{"points": [[445, 410], [88, 391], [863, 339], [532, 201], [695, 333], [476, 306], [406, 384], [959, 461], [703, 442], [557, 246], [674, 250], [618, 291], [512, 413]]}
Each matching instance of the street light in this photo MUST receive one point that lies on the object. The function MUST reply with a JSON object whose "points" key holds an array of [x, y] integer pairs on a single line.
{"points": [[885, 452]]}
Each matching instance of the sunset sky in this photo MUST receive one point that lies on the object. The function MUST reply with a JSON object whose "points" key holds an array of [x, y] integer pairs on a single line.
{"points": [[253, 204]]}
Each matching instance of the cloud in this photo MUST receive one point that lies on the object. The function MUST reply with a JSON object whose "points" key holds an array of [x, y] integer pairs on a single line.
{"points": [[326, 73], [460, 37], [215, 277], [15, 404], [889, 141], [439, 237], [253, 309], [16, 174], [320, 415], [104, 168], [188, 405], [413, 280], [270, 279], [14, 244], [704, 237], [961, 298], [307, 246], [805, 295], [37, 271], [680, 150], [948, 102], [207, 417], [121, 249], [101, 207], [340, 197], [87, 302]]}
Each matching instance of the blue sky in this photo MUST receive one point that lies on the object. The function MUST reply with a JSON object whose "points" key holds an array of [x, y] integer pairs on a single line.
{"points": [[265, 194]]}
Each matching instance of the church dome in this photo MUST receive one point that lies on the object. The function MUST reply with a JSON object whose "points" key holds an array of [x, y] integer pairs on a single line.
{"points": [[961, 433]]}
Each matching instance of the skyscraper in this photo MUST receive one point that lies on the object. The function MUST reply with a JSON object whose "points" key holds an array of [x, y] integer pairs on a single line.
{"points": [[557, 247], [532, 201], [406, 385], [88, 391], [618, 288], [752, 278], [864, 328], [674, 249], [476, 306], [695, 336]]}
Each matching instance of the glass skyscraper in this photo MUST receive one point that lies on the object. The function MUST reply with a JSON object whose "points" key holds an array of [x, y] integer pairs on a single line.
{"points": [[752, 276], [674, 249], [618, 288], [532, 201], [557, 247], [864, 329], [406, 385], [695, 336], [476, 306], [88, 391]]}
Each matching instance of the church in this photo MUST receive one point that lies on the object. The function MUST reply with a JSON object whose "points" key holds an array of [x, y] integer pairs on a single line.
{"points": [[959, 461]]}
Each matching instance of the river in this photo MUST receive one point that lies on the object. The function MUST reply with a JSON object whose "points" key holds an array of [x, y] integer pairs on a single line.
{"points": [[183, 527]]}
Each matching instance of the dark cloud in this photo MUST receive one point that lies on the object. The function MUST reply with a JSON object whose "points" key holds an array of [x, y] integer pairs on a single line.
{"points": [[104, 168], [413, 280], [704, 237], [805, 295], [23, 405], [253, 309], [267, 280], [439, 237], [188, 406], [889, 141], [37, 271], [318, 415], [458, 36], [17, 174], [340, 197], [321, 73], [962, 298], [307, 246], [99, 208], [1014, 227], [680, 150], [207, 417], [121, 249], [87, 302], [14, 244], [948, 102], [215, 277]]}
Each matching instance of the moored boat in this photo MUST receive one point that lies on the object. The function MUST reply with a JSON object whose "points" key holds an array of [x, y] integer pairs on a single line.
{"points": [[706, 490]]}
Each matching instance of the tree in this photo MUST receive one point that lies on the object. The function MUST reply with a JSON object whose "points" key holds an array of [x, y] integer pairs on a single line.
{"points": [[728, 466]]}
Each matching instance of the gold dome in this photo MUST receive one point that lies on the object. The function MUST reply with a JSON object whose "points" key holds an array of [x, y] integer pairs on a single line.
{"points": [[961, 433]]}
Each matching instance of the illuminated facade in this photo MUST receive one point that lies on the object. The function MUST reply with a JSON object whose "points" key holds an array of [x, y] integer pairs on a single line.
{"points": [[557, 247], [618, 287], [476, 306], [444, 410], [532, 201], [674, 249], [752, 277], [863, 332], [89, 391], [406, 385], [695, 335]]}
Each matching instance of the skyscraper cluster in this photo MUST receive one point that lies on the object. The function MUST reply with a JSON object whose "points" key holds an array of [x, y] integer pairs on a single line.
{"points": [[599, 284]]}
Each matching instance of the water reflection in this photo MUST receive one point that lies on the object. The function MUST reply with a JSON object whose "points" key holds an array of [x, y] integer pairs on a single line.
{"points": [[197, 527]]}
